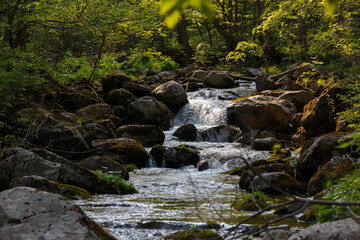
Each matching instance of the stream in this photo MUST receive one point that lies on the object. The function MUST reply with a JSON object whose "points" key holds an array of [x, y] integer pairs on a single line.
{"points": [[177, 199]]}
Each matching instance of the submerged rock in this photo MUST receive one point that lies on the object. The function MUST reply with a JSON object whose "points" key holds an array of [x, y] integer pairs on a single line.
{"points": [[27, 213], [203, 165], [158, 152]]}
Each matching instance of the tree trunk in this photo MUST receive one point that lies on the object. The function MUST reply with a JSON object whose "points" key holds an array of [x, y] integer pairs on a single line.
{"points": [[182, 38], [229, 39]]}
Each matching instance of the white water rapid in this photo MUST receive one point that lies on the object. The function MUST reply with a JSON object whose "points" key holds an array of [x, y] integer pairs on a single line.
{"points": [[176, 199]]}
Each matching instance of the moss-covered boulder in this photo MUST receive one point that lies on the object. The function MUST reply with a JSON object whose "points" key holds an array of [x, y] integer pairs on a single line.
{"points": [[335, 169], [265, 143], [95, 112], [172, 94], [149, 111], [120, 96], [198, 234], [157, 152], [114, 81], [72, 100], [122, 150], [104, 164], [186, 132], [139, 90], [280, 179], [45, 96], [66, 190], [147, 135], [322, 150], [180, 156], [27, 213]]}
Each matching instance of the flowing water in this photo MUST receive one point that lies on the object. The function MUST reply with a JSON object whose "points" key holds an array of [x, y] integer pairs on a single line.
{"points": [[177, 199]]}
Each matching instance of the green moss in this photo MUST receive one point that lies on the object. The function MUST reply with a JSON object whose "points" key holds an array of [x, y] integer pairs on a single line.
{"points": [[130, 167], [196, 234], [117, 181], [236, 171], [252, 201], [187, 148], [73, 192]]}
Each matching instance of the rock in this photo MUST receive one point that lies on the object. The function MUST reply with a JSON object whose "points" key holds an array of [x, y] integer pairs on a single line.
{"points": [[278, 234], [264, 113], [104, 164], [265, 144], [343, 229], [299, 137], [158, 154], [147, 135], [333, 170], [222, 133], [120, 111], [122, 150], [19, 162], [66, 190], [95, 112], [298, 98], [172, 94], [199, 74], [114, 81], [162, 76], [50, 132], [120, 96], [253, 72], [94, 131], [320, 152], [282, 180], [138, 90], [263, 83], [218, 80], [285, 83], [45, 96], [201, 234], [180, 156], [74, 100], [296, 121], [186, 132], [27, 213], [149, 111], [203, 165]]}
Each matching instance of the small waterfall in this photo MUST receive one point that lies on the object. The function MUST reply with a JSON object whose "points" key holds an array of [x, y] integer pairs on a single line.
{"points": [[163, 163], [151, 162]]}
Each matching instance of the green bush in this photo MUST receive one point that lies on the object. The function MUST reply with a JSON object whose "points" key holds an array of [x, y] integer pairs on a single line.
{"points": [[347, 189], [115, 178]]}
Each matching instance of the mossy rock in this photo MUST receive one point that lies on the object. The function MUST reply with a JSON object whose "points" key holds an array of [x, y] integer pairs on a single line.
{"points": [[180, 156], [310, 214], [66, 190], [130, 167], [236, 171], [157, 152], [203, 234], [250, 205]]}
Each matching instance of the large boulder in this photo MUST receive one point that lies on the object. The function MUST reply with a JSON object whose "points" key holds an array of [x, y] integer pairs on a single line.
{"points": [[27, 213], [104, 164], [187, 132], [265, 144], [180, 156], [147, 135], [172, 94], [264, 113], [221, 133], [122, 150], [322, 150], [333, 170], [95, 112], [139, 90], [147, 110], [120, 96], [263, 83], [114, 81], [218, 80], [298, 98], [73, 100], [157, 153], [19, 162], [337, 230], [199, 74], [65, 190]]}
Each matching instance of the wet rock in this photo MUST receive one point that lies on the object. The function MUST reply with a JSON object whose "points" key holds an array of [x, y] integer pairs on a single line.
{"points": [[218, 80], [186, 132], [19, 162], [323, 149], [342, 229], [122, 150], [138, 90], [201, 234], [263, 83], [95, 112], [120, 96], [172, 94], [158, 154], [177, 157], [333, 170], [199, 74], [264, 113], [203, 165], [298, 98], [147, 110], [114, 81], [41, 215], [265, 144], [66, 190], [147, 135], [222, 133], [278, 234], [280, 179], [104, 164], [253, 72]]}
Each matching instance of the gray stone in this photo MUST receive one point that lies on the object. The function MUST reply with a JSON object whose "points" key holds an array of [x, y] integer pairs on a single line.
{"points": [[218, 80], [172, 94]]}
